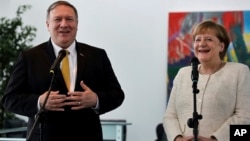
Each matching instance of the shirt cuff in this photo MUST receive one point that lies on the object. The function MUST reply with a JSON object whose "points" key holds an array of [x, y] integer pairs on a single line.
{"points": [[97, 107]]}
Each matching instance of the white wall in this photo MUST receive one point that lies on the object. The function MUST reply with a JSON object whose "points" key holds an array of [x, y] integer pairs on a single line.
{"points": [[134, 34]]}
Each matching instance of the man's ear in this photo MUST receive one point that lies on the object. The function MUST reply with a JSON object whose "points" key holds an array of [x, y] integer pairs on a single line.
{"points": [[47, 25]]}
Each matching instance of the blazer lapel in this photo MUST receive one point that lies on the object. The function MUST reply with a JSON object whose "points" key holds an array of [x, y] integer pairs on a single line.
{"points": [[81, 59], [58, 83]]}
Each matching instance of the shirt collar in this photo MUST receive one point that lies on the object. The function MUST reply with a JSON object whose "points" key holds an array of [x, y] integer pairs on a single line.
{"points": [[57, 48]]}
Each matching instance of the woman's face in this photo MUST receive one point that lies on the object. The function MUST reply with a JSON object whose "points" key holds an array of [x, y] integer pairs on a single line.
{"points": [[207, 47]]}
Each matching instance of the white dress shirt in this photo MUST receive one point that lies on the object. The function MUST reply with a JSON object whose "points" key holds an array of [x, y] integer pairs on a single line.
{"points": [[72, 62]]}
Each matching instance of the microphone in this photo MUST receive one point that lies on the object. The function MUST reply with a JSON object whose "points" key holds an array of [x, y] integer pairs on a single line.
{"points": [[195, 72], [39, 117], [61, 55]]}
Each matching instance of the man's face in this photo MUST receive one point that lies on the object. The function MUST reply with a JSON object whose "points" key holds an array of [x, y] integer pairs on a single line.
{"points": [[62, 25]]}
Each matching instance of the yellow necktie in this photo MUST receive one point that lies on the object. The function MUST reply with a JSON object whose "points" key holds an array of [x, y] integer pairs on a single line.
{"points": [[65, 70]]}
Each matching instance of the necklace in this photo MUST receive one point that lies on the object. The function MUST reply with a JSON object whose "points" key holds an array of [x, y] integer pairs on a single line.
{"points": [[202, 96], [209, 72]]}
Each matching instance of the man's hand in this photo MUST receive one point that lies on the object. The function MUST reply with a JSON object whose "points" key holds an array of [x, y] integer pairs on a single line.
{"points": [[82, 99], [55, 101]]}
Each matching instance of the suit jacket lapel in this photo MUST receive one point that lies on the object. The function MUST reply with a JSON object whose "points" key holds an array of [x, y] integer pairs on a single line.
{"points": [[81, 59], [58, 80]]}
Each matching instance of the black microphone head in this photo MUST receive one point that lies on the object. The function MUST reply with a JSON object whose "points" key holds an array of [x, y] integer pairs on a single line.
{"points": [[195, 72], [62, 53], [194, 60]]}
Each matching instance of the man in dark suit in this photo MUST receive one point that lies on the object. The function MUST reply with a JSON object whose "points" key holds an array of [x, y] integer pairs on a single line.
{"points": [[71, 113]]}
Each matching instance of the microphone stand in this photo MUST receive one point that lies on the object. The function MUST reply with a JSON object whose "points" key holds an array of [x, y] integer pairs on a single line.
{"points": [[40, 117], [193, 122]]}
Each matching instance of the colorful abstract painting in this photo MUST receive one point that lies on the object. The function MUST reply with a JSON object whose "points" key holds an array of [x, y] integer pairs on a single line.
{"points": [[180, 50]]}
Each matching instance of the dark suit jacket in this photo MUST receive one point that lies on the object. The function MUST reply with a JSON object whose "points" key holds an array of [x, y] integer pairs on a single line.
{"points": [[30, 78]]}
